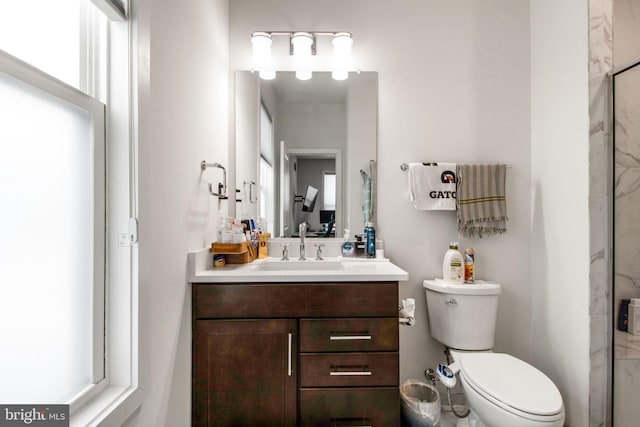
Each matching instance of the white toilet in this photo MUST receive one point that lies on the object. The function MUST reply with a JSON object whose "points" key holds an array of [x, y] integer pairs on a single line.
{"points": [[500, 390]]}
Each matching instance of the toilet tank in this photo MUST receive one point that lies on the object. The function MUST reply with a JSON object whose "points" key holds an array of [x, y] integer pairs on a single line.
{"points": [[463, 317]]}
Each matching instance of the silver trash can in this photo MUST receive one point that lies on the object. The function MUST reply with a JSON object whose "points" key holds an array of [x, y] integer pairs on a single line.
{"points": [[420, 404]]}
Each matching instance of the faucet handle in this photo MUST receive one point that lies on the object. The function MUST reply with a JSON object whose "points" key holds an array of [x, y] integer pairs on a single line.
{"points": [[319, 251], [285, 251]]}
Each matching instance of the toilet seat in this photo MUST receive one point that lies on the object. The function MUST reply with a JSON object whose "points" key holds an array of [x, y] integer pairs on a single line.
{"points": [[512, 384]]}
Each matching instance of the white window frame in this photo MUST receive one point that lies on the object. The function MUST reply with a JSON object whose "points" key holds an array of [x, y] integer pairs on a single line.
{"points": [[115, 10], [121, 395], [115, 394]]}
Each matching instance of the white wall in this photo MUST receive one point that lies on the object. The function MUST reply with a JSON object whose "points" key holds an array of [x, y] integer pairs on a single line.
{"points": [[183, 90], [453, 86], [559, 197], [312, 125]]}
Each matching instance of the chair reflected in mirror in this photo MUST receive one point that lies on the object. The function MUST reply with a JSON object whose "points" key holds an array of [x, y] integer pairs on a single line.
{"points": [[328, 220]]}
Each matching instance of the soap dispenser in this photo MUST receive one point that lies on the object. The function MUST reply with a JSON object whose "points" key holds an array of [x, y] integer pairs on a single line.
{"points": [[453, 266], [348, 249]]}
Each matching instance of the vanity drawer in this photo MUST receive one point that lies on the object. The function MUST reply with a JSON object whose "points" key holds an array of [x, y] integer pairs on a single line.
{"points": [[349, 369], [376, 407], [354, 334], [291, 300]]}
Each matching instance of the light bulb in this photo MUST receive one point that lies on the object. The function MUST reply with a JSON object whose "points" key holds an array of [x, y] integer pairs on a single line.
{"points": [[261, 44], [341, 55], [267, 74], [302, 54]]}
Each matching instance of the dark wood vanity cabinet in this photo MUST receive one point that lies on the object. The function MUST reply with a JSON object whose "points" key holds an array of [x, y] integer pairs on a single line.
{"points": [[243, 372], [286, 354]]}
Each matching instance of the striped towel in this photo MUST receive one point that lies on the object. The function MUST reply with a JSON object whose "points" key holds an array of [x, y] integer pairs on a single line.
{"points": [[481, 200]]}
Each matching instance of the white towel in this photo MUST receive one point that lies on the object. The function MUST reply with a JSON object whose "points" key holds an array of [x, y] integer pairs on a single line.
{"points": [[432, 186]]}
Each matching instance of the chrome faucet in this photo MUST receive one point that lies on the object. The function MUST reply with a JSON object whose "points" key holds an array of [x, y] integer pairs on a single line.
{"points": [[319, 251], [302, 229]]}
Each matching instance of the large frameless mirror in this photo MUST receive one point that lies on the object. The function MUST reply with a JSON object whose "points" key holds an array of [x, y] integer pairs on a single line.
{"points": [[300, 147]]}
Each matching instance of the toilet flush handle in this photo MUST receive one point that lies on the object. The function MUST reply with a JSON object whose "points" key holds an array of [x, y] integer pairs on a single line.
{"points": [[451, 302]]}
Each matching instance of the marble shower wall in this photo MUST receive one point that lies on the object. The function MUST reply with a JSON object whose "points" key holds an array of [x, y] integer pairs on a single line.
{"points": [[600, 62], [626, 409], [626, 268]]}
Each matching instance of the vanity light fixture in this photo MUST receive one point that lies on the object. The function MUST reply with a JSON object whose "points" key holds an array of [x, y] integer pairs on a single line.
{"points": [[302, 45], [261, 44]]}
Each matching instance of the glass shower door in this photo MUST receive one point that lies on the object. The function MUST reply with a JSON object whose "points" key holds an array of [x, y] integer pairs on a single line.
{"points": [[626, 245]]}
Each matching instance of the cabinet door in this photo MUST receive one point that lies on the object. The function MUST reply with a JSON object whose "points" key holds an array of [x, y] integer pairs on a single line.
{"points": [[244, 373]]}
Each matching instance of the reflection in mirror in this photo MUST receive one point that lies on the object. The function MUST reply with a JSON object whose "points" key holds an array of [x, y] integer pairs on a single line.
{"points": [[309, 199], [292, 135], [311, 168]]}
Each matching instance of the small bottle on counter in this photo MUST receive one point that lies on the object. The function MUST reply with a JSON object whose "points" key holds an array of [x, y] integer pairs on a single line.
{"points": [[370, 232], [379, 249], [219, 260], [469, 267], [348, 248]]}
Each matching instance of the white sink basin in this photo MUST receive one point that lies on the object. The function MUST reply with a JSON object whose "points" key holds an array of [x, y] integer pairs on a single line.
{"points": [[297, 265]]}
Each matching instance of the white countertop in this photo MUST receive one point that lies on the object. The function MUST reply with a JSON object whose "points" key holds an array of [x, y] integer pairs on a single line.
{"points": [[201, 270]]}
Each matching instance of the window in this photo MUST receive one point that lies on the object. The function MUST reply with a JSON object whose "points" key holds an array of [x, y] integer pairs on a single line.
{"points": [[52, 177], [266, 199], [54, 274], [65, 39], [329, 190]]}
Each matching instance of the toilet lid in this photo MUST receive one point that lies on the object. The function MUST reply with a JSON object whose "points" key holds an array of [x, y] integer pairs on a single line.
{"points": [[512, 382]]}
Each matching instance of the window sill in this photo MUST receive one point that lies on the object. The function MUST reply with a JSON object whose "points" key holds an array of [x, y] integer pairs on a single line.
{"points": [[111, 408]]}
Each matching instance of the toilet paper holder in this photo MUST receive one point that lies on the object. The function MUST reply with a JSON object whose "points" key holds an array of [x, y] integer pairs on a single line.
{"points": [[406, 312]]}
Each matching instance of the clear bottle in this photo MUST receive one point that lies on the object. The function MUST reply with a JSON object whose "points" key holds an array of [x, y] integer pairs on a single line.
{"points": [[370, 232], [469, 266], [453, 266], [221, 226]]}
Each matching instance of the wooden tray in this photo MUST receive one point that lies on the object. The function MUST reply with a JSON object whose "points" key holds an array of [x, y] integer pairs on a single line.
{"points": [[235, 253]]}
